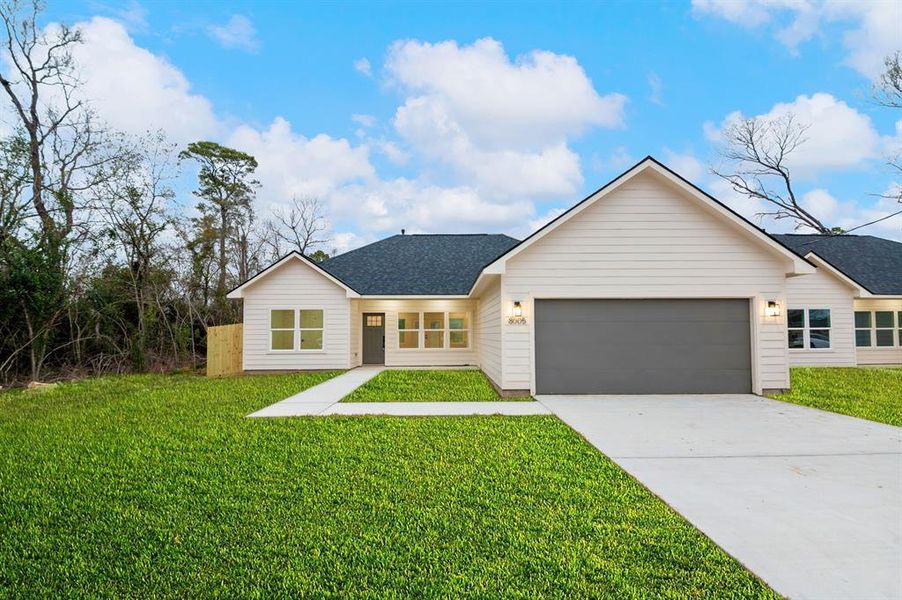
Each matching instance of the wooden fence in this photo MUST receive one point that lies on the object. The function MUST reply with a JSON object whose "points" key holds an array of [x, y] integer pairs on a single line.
{"points": [[225, 344]]}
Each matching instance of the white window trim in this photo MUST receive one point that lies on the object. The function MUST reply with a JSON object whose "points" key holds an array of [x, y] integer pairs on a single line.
{"points": [[896, 330], [408, 330], [468, 318], [297, 330], [444, 331], [446, 335], [806, 330]]}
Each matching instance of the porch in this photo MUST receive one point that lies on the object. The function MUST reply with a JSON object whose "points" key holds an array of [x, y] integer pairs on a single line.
{"points": [[413, 332]]}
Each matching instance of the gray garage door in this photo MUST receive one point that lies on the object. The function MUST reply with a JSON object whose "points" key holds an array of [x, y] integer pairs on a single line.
{"points": [[642, 347]]}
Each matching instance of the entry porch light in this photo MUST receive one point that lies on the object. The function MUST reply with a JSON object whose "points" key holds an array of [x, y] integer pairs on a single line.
{"points": [[518, 309], [772, 309]]}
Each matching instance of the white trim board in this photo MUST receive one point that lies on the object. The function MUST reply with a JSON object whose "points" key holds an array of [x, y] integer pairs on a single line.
{"points": [[799, 266], [238, 292]]}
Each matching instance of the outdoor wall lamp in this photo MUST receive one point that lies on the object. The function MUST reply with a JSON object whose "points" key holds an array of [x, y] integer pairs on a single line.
{"points": [[518, 309], [773, 309]]}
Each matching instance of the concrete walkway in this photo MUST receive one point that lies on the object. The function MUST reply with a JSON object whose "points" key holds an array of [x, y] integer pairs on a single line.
{"points": [[422, 409], [810, 501], [318, 398], [323, 399]]}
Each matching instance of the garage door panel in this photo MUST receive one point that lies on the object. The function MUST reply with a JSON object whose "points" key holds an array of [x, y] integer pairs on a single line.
{"points": [[634, 356], [642, 346], [679, 381], [655, 333], [640, 311]]}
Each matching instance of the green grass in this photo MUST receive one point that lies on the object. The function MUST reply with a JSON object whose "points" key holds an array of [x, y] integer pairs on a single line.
{"points": [[428, 385], [874, 394], [158, 486]]}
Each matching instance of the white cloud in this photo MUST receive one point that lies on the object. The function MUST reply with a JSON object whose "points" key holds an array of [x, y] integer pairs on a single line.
{"points": [[656, 87], [686, 164], [362, 66], [551, 170], [135, 90], [364, 120], [537, 99], [132, 14], [870, 27], [618, 161], [291, 164], [386, 206], [820, 203], [850, 214], [877, 33], [750, 208], [823, 205], [748, 13], [393, 153], [238, 32], [499, 125], [344, 241], [543, 220], [838, 136]]}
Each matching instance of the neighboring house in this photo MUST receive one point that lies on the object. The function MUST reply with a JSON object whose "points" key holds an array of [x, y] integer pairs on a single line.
{"points": [[649, 285]]}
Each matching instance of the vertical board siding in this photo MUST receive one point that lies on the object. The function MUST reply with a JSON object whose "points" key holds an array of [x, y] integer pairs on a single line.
{"points": [[224, 350], [647, 240], [488, 322], [422, 357], [823, 290], [295, 285], [356, 334], [879, 356]]}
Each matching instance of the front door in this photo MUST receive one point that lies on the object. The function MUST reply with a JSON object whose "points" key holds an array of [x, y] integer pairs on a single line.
{"points": [[374, 338]]}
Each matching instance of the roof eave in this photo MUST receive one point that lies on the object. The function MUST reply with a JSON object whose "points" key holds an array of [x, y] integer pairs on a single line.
{"points": [[238, 291], [800, 265], [863, 292], [414, 296]]}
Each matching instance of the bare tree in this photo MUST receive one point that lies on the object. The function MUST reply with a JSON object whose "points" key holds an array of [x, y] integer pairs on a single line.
{"points": [[41, 62], [14, 180], [756, 151], [134, 203], [245, 244], [888, 92], [888, 89], [302, 227]]}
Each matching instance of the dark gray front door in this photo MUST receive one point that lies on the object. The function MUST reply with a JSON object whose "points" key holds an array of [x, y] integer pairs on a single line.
{"points": [[642, 347], [373, 338]]}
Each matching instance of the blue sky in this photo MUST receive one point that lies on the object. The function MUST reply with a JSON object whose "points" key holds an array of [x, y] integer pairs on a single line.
{"points": [[494, 117]]}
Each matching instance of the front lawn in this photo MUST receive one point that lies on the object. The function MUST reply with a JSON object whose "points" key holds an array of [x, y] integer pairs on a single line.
{"points": [[428, 385], [156, 486], [874, 394]]}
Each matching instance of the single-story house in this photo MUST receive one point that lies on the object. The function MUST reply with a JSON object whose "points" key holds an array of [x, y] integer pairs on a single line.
{"points": [[649, 285]]}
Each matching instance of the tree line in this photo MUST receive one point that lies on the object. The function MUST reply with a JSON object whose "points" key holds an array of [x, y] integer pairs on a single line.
{"points": [[101, 267]]}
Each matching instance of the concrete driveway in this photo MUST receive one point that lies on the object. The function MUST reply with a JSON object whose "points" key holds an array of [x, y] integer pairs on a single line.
{"points": [[810, 501]]}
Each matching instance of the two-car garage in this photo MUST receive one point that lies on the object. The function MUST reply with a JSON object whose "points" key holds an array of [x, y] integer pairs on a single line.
{"points": [[650, 346]]}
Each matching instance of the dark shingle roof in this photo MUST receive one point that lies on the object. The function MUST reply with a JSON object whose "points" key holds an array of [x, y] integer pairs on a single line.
{"points": [[413, 265], [872, 262]]}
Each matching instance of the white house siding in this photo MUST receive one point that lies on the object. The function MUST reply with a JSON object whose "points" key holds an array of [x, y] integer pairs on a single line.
{"points": [[879, 356], [356, 334], [295, 285], [823, 290], [396, 357], [488, 336], [646, 240]]}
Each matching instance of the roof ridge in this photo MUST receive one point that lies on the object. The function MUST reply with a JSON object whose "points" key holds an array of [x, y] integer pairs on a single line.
{"points": [[447, 234], [361, 248], [826, 235]]}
